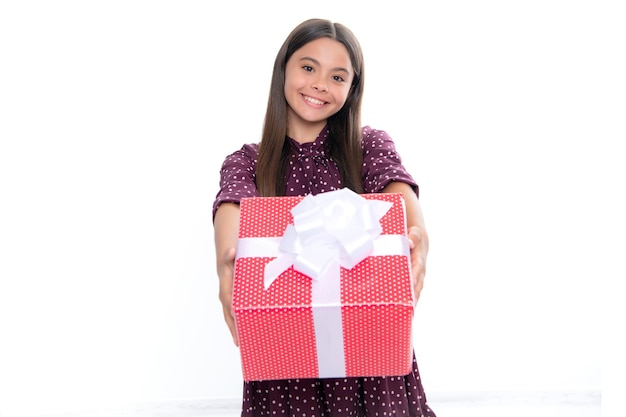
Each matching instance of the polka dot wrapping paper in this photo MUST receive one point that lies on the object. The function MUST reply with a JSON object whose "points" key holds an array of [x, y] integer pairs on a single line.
{"points": [[292, 329]]}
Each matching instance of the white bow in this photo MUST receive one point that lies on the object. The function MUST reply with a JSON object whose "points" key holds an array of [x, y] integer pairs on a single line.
{"points": [[337, 227]]}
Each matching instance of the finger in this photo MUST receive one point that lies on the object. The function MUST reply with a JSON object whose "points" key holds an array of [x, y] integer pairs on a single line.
{"points": [[225, 297], [414, 236], [233, 328], [418, 286], [230, 321], [229, 257], [226, 294]]}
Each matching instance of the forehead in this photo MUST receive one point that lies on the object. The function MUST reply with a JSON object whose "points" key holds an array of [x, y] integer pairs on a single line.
{"points": [[327, 52]]}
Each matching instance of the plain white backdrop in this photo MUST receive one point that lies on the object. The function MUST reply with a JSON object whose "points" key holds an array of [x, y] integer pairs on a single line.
{"points": [[116, 116]]}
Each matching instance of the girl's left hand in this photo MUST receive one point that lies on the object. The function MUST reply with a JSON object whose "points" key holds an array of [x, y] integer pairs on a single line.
{"points": [[419, 251]]}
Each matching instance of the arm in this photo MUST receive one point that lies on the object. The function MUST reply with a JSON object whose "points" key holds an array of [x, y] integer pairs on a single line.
{"points": [[226, 226], [418, 238]]}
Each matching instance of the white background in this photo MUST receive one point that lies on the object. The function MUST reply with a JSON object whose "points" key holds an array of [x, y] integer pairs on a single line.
{"points": [[116, 116]]}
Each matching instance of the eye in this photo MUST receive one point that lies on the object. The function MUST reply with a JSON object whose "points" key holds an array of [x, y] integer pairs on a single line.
{"points": [[338, 78], [307, 68]]}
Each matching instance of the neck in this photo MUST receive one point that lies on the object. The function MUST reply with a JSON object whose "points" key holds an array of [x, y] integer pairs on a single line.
{"points": [[305, 132]]}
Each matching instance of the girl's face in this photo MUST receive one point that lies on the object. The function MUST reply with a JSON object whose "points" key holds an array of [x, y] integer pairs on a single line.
{"points": [[318, 77]]}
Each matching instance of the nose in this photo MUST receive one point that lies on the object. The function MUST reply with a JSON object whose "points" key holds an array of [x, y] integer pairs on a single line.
{"points": [[320, 85]]}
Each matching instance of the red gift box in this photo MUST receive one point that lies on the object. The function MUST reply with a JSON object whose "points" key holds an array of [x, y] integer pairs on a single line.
{"points": [[308, 306]]}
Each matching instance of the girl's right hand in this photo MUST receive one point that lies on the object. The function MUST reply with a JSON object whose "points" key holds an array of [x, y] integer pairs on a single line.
{"points": [[226, 272]]}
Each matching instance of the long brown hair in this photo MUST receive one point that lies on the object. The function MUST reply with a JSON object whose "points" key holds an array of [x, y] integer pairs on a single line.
{"points": [[344, 141]]}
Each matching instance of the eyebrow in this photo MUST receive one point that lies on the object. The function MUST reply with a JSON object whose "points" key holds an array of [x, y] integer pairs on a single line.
{"points": [[316, 62]]}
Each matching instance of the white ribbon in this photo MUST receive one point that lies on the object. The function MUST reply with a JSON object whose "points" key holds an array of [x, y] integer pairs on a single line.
{"points": [[328, 228]]}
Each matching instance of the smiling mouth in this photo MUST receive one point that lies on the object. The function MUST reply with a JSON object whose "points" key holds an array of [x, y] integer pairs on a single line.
{"points": [[313, 100]]}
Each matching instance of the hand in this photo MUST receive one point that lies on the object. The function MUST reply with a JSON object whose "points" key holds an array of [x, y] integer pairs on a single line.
{"points": [[418, 244], [226, 273]]}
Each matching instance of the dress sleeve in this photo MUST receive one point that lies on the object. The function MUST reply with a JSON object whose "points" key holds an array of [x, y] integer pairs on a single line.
{"points": [[237, 177], [382, 163]]}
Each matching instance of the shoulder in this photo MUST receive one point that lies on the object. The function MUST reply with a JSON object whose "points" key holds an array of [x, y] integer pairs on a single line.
{"points": [[246, 154], [250, 149], [382, 163], [375, 138], [370, 134]]}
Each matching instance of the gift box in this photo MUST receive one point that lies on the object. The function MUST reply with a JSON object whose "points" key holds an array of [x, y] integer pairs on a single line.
{"points": [[322, 286]]}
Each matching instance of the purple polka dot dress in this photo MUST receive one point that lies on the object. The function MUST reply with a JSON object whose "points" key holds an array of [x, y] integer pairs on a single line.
{"points": [[312, 171]]}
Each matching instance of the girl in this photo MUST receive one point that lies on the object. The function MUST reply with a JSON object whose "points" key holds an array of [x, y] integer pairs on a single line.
{"points": [[313, 142]]}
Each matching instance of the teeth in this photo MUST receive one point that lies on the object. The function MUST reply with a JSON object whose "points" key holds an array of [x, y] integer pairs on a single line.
{"points": [[313, 100]]}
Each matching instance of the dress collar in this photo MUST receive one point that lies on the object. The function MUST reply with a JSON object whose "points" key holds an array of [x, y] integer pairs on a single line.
{"points": [[311, 148]]}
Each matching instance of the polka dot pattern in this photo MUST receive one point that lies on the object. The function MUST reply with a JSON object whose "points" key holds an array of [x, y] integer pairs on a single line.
{"points": [[254, 214], [312, 171], [383, 347], [394, 221], [377, 306], [265, 320], [338, 397]]}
